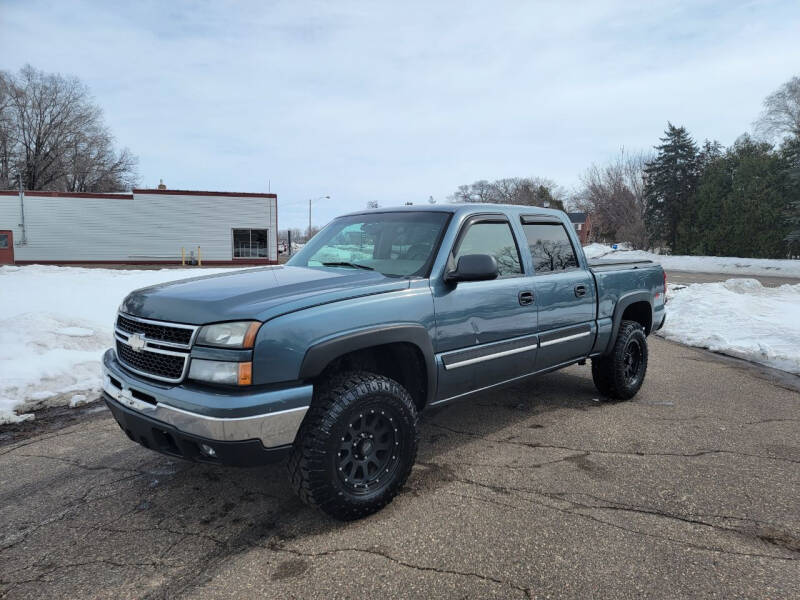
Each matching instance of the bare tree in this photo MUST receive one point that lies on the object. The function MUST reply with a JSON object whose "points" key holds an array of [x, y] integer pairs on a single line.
{"points": [[781, 116], [528, 191], [53, 134], [6, 176], [312, 231], [614, 196]]}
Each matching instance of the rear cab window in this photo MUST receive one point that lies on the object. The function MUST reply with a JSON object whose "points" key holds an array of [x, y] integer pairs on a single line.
{"points": [[550, 246]]}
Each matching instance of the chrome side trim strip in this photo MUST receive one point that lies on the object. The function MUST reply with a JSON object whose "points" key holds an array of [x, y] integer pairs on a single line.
{"points": [[498, 384], [565, 339], [472, 361]]}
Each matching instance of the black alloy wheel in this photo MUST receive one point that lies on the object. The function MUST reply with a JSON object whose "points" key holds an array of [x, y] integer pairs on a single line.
{"points": [[620, 373], [633, 361], [369, 450]]}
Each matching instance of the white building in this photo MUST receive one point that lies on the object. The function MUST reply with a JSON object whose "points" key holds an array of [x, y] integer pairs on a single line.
{"points": [[143, 227]]}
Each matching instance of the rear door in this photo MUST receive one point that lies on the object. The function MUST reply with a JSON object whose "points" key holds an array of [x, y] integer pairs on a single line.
{"points": [[6, 248], [485, 330], [564, 291]]}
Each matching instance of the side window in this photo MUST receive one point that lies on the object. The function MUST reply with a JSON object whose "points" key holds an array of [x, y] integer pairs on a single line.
{"points": [[496, 240], [550, 247]]}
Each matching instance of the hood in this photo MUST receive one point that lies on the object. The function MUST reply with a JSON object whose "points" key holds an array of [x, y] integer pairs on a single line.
{"points": [[259, 294]]}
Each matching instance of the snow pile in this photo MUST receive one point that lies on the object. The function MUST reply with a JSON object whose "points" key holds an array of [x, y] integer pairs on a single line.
{"points": [[700, 264], [55, 323], [738, 317]]}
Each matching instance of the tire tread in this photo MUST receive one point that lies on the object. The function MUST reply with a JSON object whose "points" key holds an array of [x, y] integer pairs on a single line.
{"points": [[307, 470], [608, 372]]}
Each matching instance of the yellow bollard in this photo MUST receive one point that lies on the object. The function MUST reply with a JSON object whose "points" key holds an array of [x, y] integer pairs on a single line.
{"points": [[199, 257]]}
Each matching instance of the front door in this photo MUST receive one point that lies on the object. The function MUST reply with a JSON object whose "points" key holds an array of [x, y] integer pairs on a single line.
{"points": [[485, 330], [565, 294], [6, 248]]}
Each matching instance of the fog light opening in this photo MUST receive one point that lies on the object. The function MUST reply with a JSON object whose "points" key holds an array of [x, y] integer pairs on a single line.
{"points": [[208, 451]]}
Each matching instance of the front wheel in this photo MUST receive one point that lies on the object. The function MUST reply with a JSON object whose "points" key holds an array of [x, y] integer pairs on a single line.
{"points": [[356, 446], [620, 374]]}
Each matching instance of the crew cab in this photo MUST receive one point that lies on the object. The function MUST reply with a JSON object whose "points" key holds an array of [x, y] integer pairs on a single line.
{"points": [[329, 359]]}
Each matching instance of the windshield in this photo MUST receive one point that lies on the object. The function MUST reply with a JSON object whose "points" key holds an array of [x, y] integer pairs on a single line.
{"points": [[400, 244]]}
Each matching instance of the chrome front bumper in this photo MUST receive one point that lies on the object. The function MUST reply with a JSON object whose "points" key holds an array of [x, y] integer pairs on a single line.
{"points": [[277, 418]]}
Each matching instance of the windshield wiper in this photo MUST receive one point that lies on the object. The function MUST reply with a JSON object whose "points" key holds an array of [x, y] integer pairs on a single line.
{"points": [[347, 264]]}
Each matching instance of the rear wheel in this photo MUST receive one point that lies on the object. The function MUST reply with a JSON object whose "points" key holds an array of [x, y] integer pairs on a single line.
{"points": [[621, 373], [356, 447]]}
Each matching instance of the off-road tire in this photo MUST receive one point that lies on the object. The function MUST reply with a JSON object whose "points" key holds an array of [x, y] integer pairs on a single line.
{"points": [[620, 374], [337, 426]]}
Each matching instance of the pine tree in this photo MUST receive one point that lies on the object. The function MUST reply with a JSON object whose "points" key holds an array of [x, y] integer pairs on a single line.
{"points": [[670, 183], [741, 202], [791, 155]]}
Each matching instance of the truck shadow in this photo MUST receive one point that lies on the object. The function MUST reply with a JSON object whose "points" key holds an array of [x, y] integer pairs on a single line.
{"points": [[262, 501]]}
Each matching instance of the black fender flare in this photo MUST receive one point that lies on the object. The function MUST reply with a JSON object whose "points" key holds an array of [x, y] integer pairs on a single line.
{"points": [[320, 355], [624, 302]]}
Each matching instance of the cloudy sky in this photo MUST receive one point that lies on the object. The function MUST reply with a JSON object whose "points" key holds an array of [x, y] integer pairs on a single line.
{"points": [[400, 101]]}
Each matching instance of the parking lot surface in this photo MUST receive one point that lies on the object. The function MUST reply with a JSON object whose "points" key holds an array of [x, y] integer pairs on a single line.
{"points": [[533, 491]]}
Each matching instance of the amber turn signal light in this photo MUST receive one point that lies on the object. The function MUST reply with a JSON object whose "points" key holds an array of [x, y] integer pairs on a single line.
{"points": [[245, 373], [250, 336]]}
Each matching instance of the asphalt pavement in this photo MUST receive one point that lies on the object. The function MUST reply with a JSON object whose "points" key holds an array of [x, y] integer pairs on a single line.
{"points": [[534, 491]]}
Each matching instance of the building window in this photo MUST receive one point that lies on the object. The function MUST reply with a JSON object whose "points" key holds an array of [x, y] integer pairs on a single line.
{"points": [[578, 226], [250, 243], [3, 241]]}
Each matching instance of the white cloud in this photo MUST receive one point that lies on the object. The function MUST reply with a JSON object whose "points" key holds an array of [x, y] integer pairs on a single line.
{"points": [[398, 102]]}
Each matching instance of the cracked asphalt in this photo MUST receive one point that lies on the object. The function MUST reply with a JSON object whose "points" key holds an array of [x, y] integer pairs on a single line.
{"points": [[537, 490]]}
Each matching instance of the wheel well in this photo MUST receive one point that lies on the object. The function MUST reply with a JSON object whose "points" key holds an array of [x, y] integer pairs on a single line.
{"points": [[401, 361], [641, 313]]}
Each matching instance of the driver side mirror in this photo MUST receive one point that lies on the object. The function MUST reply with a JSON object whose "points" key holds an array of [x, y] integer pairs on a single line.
{"points": [[473, 267]]}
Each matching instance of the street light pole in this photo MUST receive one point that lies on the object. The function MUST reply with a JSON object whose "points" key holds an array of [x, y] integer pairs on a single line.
{"points": [[309, 212]]}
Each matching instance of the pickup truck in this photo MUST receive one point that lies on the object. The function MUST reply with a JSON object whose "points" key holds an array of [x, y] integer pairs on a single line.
{"points": [[329, 359]]}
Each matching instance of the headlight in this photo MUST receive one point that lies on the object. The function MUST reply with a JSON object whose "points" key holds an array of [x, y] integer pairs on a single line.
{"points": [[216, 371], [239, 334]]}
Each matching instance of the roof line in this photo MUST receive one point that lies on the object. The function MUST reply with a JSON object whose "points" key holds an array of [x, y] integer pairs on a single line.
{"points": [[48, 194], [129, 195], [203, 193]]}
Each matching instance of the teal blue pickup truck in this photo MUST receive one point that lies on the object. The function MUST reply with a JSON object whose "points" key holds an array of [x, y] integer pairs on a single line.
{"points": [[329, 359]]}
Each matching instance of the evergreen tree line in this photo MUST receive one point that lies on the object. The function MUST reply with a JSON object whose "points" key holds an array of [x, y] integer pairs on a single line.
{"points": [[710, 200], [743, 200]]}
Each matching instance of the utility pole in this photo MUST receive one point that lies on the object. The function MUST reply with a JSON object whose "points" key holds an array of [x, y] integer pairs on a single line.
{"points": [[24, 240], [309, 213]]}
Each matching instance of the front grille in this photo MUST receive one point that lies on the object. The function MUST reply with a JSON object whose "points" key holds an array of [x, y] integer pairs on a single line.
{"points": [[162, 366], [156, 332]]}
